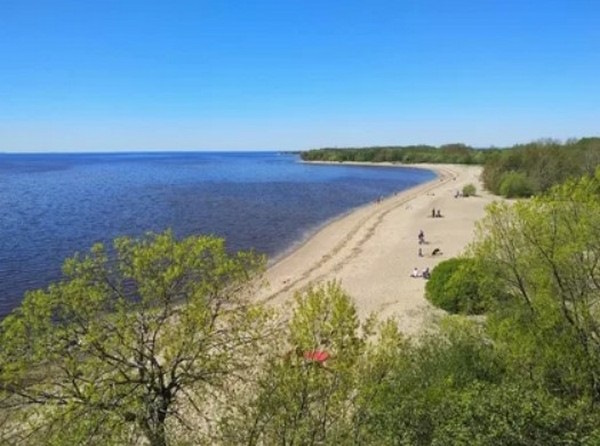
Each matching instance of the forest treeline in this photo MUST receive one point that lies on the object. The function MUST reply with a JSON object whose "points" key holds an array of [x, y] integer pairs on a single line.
{"points": [[449, 153], [529, 169], [158, 341], [518, 171]]}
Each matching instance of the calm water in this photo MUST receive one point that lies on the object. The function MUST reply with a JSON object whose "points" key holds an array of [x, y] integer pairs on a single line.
{"points": [[54, 205]]}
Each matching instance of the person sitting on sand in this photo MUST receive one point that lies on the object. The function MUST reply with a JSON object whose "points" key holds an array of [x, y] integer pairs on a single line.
{"points": [[415, 273], [436, 251], [426, 274], [433, 213], [438, 214]]}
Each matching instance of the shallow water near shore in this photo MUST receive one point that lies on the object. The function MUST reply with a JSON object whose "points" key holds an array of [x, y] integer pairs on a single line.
{"points": [[52, 205]]}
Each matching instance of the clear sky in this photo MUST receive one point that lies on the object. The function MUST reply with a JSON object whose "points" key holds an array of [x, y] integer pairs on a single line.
{"points": [[105, 75]]}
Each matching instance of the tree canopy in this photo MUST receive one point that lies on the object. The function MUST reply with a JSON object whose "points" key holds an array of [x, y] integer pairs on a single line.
{"points": [[132, 344], [545, 252]]}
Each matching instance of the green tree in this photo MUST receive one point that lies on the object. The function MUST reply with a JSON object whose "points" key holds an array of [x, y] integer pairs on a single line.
{"points": [[509, 413], [546, 252], [131, 345], [405, 385], [515, 184], [469, 190], [298, 399], [458, 286]]}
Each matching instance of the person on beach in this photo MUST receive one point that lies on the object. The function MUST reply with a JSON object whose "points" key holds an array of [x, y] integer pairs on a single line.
{"points": [[426, 274], [438, 214], [433, 213], [415, 273], [421, 237], [420, 252], [436, 251]]}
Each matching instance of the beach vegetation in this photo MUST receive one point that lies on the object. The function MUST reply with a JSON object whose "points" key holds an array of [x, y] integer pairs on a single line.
{"points": [[133, 343], [529, 169], [469, 190], [457, 286], [449, 153], [545, 252], [516, 184], [306, 393]]}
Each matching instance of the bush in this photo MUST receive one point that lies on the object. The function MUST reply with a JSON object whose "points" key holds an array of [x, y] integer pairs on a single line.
{"points": [[455, 287], [469, 190], [515, 184]]}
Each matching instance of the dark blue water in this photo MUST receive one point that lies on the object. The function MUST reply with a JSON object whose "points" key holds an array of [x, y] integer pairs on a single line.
{"points": [[54, 205]]}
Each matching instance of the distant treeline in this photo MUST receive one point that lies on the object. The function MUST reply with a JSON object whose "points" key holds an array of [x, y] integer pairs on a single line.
{"points": [[449, 153], [518, 171], [529, 169]]}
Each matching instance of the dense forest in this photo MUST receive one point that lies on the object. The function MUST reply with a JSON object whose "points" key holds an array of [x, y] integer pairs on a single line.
{"points": [[158, 341], [529, 169], [518, 171], [450, 153]]}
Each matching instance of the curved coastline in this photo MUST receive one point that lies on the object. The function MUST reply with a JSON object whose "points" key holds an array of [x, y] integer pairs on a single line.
{"points": [[373, 249], [313, 232]]}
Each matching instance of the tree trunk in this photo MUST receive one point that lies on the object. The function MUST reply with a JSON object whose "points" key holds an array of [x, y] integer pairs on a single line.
{"points": [[153, 425]]}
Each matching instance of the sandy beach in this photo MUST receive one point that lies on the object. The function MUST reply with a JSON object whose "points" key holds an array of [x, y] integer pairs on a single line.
{"points": [[373, 250]]}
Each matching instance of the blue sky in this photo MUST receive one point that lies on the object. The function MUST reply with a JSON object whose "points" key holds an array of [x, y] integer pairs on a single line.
{"points": [[132, 75]]}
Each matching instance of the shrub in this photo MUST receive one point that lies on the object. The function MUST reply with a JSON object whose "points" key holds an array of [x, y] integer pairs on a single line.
{"points": [[515, 184], [469, 190], [455, 287]]}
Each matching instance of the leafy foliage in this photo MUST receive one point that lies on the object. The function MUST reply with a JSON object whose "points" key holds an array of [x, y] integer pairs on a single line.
{"points": [[449, 153], [469, 190], [546, 253], [529, 169], [515, 184], [456, 286], [298, 400], [121, 345]]}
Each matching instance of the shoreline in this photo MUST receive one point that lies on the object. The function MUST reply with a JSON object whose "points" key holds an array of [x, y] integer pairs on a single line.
{"points": [[372, 249], [312, 233]]}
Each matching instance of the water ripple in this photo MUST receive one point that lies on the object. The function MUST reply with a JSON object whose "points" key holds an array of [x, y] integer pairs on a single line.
{"points": [[54, 205]]}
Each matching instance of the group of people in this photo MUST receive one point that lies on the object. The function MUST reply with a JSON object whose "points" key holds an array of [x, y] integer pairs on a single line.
{"points": [[425, 274], [435, 213]]}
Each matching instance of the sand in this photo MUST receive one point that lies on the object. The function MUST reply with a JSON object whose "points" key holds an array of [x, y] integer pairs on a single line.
{"points": [[373, 250]]}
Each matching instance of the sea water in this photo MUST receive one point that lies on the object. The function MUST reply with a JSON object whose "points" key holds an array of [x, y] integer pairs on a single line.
{"points": [[53, 205]]}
